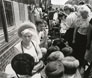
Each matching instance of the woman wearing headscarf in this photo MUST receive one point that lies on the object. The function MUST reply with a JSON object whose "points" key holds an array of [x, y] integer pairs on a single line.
{"points": [[28, 34]]}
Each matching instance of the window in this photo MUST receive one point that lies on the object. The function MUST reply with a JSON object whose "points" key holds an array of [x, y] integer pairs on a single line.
{"points": [[22, 12], [9, 13]]}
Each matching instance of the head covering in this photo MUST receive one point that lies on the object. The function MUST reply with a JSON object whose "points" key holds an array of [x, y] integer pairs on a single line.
{"points": [[69, 6], [57, 55], [70, 61], [23, 64], [26, 25], [54, 69], [67, 50], [71, 64], [83, 8]]}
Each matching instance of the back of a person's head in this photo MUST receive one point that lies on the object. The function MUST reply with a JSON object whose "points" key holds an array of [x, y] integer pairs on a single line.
{"points": [[52, 49], [55, 56], [59, 42], [23, 64], [67, 51], [71, 65], [54, 69]]}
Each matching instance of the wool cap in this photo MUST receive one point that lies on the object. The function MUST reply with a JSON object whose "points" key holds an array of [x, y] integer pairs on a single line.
{"points": [[26, 25], [57, 55], [54, 69]]}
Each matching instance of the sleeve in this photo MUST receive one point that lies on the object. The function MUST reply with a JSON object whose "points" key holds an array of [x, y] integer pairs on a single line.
{"points": [[69, 21], [55, 16]]}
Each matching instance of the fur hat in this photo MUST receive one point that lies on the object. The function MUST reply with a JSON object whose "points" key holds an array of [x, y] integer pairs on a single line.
{"points": [[54, 69], [57, 55], [26, 25], [71, 64], [23, 64]]}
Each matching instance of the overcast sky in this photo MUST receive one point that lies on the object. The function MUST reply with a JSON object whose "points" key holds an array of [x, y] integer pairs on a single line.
{"points": [[58, 2]]}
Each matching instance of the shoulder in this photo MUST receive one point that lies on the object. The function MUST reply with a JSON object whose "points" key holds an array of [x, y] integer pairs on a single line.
{"points": [[10, 71], [17, 45], [34, 43]]}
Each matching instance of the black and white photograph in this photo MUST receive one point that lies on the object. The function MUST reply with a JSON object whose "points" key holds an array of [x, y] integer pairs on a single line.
{"points": [[45, 38]]}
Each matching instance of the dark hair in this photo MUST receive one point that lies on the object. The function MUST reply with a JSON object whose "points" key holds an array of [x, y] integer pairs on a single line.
{"points": [[39, 22], [59, 42], [23, 64], [70, 71], [81, 3]]}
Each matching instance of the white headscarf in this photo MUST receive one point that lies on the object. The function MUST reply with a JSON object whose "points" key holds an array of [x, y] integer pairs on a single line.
{"points": [[83, 8], [29, 27]]}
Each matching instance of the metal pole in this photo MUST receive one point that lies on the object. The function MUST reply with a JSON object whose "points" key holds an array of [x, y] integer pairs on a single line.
{"points": [[4, 20]]}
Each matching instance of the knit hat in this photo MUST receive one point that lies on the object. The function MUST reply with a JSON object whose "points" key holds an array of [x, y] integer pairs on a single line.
{"points": [[26, 25], [71, 64], [54, 69], [57, 55]]}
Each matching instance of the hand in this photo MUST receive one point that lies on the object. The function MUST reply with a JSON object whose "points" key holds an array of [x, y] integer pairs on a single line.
{"points": [[36, 59]]}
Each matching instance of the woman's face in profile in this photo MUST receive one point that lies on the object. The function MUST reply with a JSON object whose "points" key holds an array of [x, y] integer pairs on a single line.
{"points": [[26, 37]]}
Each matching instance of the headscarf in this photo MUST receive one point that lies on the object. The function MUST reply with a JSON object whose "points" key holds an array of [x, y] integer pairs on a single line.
{"points": [[30, 28], [83, 8]]}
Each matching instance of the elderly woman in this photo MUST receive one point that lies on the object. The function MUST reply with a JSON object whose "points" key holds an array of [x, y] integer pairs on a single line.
{"points": [[27, 32], [80, 33]]}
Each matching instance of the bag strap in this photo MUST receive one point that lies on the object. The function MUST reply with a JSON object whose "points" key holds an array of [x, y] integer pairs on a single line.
{"points": [[34, 47], [23, 49]]}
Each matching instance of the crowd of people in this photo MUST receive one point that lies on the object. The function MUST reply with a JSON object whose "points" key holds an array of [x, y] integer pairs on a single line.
{"points": [[56, 43]]}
